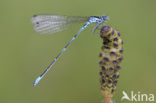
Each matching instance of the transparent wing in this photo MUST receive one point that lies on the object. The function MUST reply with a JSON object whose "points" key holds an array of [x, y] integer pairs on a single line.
{"points": [[41, 18], [50, 24], [49, 27]]}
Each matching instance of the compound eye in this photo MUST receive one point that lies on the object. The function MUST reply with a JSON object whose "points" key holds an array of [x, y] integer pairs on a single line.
{"points": [[105, 18]]}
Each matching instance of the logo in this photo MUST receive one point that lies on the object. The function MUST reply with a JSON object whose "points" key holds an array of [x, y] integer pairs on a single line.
{"points": [[137, 96]]}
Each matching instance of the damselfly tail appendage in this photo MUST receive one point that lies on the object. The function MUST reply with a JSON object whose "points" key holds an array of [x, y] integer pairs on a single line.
{"points": [[111, 57]]}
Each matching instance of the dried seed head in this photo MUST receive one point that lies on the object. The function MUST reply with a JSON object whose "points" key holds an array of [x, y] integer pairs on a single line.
{"points": [[111, 57]]}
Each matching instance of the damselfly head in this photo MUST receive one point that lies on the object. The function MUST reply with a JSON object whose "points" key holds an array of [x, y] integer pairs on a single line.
{"points": [[105, 18]]}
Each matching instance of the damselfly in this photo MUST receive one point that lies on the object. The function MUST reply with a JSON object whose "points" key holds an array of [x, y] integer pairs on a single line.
{"points": [[50, 24]]}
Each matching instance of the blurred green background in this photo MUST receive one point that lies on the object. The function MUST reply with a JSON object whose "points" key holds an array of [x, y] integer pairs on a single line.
{"points": [[75, 77]]}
